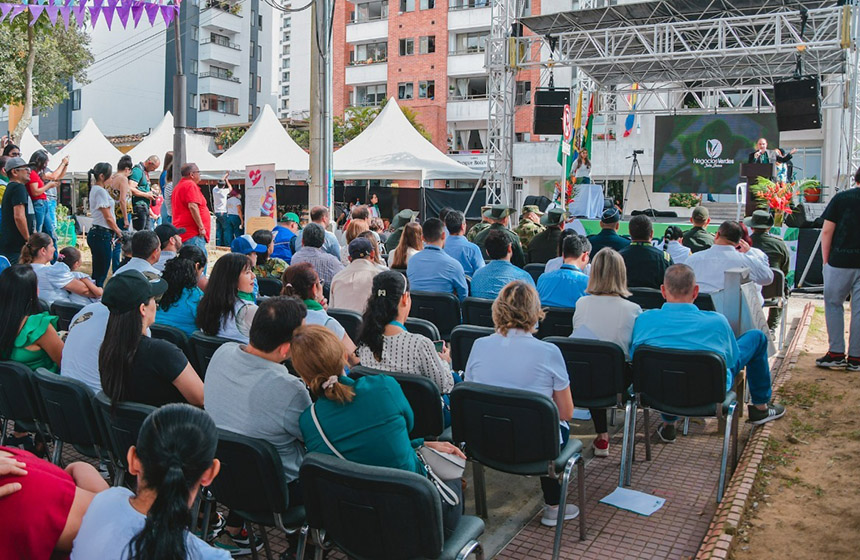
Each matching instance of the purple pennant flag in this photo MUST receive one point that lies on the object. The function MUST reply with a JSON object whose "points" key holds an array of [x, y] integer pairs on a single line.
{"points": [[168, 13], [36, 12], [109, 12], [65, 11], [16, 11], [53, 12], [122, 11], [4, 10], [136, 12], [152, 12], [95, 10], [80, 12]]}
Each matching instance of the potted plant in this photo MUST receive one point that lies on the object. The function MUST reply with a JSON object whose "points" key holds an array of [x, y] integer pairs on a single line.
{"points": [[684, 200], [811, 189]]}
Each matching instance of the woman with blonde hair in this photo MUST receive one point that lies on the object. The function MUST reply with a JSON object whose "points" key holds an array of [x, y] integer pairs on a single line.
{"points": [[605, 315], [514, 359], [353, 230], [367, 420], [411, 242]]}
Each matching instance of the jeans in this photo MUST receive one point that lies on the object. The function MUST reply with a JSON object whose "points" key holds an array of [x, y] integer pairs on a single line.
{"points": [[838, 284], [552, 487], [221, 229], [100, 241], [140, 216], [44, 223], [116, 252], [232, 229]]}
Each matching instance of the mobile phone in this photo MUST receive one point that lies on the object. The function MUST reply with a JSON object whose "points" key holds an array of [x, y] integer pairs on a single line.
{"points": [[440, 345]]}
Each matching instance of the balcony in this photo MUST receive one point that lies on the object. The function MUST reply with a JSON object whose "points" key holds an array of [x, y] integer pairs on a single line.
{"points": [[462, 19], [459, 5], [465, 64], [367, 73], [226, 76], [220, 83], [220, 52], [367, 31], [468, 109], [220, 16]]}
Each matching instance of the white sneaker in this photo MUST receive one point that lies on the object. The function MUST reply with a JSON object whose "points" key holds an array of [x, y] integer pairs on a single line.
{"points": [[550, 514]]}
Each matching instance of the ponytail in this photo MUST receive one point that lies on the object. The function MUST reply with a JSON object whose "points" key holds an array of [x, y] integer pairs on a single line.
{"points": [[34, 244], [103, 169], [176, 445], [387, 289], [319, 357], [299, 281]]}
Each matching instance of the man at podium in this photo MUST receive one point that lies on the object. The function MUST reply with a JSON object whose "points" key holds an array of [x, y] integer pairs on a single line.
{"points": [[774, 156]]}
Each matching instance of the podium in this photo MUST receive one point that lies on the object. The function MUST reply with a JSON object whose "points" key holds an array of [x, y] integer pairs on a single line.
{"points": [[751, 172]]}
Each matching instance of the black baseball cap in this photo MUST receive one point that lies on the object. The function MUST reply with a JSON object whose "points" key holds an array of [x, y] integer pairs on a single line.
{"points": [[126, 291], [166, 231]]}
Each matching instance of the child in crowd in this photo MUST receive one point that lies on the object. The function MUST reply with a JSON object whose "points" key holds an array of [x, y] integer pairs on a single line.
{"points": [[71, 258]]}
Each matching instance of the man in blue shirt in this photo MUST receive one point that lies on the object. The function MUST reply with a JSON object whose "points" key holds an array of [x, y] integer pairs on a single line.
{"points": [[284, 232], [320, 215], [679, 324], [562, 287], [458, 247], [432, 270], [499, 272], [608, 236]]}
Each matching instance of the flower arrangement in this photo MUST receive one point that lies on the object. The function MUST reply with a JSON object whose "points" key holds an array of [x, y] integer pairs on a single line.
{"points": [[774, 196], [684, 200], [572, 189]]}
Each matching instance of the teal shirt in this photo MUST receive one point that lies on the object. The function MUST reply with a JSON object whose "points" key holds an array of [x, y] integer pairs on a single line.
{"points": [[373, 429], [142, 180], [183, 313]]}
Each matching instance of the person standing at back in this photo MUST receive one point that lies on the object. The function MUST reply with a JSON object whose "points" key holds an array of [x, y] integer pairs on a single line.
{"points": [[141, 189], [17, 210], [645, 263], [190, 211], [529, 225], [220, 193]]}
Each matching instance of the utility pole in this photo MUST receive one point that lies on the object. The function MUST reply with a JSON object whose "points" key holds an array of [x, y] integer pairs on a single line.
{"points": [[321, 189], [179, 103]]}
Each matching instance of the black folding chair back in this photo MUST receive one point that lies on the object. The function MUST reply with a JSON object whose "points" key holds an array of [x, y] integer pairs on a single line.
{"points": [[705, 303], [423, 396], [380, 513], [776, 289], [120, 425], [441, 309], [68, 410], [596, 370], [350, 320], [478, 312], [203, 347], [646, 298], [557, 322], [535, 269], [463, 337], [65, 312], [422, 327], [43, 306], [269, 286], [18, 399], [174, 335]]}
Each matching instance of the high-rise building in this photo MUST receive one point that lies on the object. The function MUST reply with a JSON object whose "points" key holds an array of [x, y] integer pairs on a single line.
{"points": [[293, 69]]}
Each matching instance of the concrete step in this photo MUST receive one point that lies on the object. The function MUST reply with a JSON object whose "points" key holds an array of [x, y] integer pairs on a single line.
{"points": [[721, 211]]}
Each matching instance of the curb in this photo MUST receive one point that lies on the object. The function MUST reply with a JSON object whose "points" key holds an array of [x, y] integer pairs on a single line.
{"points": [[722, 532]]}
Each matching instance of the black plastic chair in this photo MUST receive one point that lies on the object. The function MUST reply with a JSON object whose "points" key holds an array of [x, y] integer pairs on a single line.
{"points": [[462, 339], [120, 424], [516, 432], [774, 295], [43, 306], [478, 312], [535, 269], [174, 335], [423, 396], [422, 327], [65, 311], [203, 347], [68, 410], [19, 401], [379, 513], [441, 309], [269, 286], [689, 383], [252, 484], [557, 322], [705, 303], [350, 320], [646, 298]]}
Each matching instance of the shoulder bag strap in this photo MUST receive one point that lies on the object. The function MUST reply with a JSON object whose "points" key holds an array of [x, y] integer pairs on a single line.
{"points": [[322, 433]]}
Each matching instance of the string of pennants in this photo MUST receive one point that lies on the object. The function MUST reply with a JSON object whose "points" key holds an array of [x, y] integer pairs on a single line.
{"points": [[65, 10]]}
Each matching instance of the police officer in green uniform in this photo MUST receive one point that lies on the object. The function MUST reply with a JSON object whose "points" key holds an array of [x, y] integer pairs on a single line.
{"points": [[397, 224], [646, 264], [544, 246], [479, 227], [529, 225], [777, 253], [697, 238], [498, 217]]}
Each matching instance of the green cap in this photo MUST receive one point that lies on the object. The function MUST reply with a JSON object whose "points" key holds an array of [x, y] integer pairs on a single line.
{"points": [[700, 214], [497, 212], [127, 290], [291, 217], [554, 217], [402, 218]]}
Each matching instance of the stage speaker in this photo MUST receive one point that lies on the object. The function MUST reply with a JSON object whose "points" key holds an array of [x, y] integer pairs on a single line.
{"points": [[805, 243], [549, 108], [798, 104]]}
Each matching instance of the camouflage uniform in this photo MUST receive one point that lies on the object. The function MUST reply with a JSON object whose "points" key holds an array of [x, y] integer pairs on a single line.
{"points": [[475, 230], [527, 230], [274, 268]]}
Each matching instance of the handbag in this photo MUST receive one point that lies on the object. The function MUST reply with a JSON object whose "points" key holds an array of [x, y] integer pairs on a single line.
{"points": [[450, 465]]}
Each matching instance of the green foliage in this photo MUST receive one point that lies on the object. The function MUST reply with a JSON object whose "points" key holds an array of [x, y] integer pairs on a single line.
{"points": [[356, 119], [684, 200], [61, 54], [229, 136], [301, 137]]}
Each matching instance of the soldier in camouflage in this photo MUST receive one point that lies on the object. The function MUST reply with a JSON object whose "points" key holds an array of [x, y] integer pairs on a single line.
{"points": [[479, 227], [529, 225]]}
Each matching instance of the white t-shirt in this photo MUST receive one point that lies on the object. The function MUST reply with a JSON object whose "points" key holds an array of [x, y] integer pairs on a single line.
{"points": [[238, 325], [81, 351], [99, 198], [52, 281], [219, 199], [234, 205], [608, 318], [320, 317]]}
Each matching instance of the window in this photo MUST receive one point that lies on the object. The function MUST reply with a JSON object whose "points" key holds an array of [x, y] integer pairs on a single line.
{"points": [[427, 44], [466, 4], [259, 84], [193, 67], [427, 89], [219, 104], [250, 112], [285, 76], [428, 4], [259, 53], [370, 11], [286, 50], [76, 99], [251, 79], [407, 47], [260, 21], [285, 91], [524, 93], [195, 33], [469, 140], [407, 5], [192, 100], [467, 88], [367, 96], [369, 53], [404, 90], [253, 50], [285, 63], [468, 43]]}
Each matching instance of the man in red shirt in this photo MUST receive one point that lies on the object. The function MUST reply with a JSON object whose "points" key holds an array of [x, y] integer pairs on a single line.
{"points": [[189, 208]]}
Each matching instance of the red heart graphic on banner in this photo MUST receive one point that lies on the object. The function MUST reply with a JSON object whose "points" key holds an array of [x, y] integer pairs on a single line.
{"points": [[255, 176]]}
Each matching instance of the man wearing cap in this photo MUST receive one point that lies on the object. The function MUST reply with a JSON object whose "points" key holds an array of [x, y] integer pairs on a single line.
{"points": [[645, 263], [326, 265], [171, 242], [458, 247], [610, 221], [284, 232], [145, 251], [777, 253], [431, 269], [321, 216], [397, 224], [498, 216], [544, 246], [16, 210], [697, 238], [488, 281], [190, 211], [350, 288], [563, 287], [529, 225], [479, 227]]}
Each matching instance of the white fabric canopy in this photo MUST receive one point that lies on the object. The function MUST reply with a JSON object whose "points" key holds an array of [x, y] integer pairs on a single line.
{"points": [[265, 142], [391, 148], [29, 144], [160, 141], [87, 148]]}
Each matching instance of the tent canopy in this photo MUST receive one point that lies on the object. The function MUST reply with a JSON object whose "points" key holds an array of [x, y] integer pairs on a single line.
{"points": [[87, 148], [160, 141], [391, 148], [265, 142], [29, 144]]}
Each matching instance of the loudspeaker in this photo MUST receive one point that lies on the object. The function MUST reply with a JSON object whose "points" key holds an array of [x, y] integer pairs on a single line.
{"points": [[805, 243], [549, 109], [798, 104]]}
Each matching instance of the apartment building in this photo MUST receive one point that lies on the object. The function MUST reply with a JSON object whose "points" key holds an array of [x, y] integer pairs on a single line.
{"points": [[293, 68]]}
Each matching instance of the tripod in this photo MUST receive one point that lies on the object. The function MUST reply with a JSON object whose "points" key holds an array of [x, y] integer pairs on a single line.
{"points": [[635, 172]]}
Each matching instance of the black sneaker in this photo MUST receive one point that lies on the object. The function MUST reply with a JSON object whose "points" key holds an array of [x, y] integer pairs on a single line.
{"points": [[831, 360], [773, 412], [853, 364], [667, 433], [238, 545]]}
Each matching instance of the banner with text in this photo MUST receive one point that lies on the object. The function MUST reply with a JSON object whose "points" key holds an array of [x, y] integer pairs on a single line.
{"points": [[703, 153], [261, 201]]}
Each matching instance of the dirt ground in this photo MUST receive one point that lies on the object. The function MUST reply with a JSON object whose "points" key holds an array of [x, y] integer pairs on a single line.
{"points": [[806, 499]]}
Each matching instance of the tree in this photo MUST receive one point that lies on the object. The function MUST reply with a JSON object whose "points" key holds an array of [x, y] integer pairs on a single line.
{"points": [[301, 137], [356, 119], [38, 62]]}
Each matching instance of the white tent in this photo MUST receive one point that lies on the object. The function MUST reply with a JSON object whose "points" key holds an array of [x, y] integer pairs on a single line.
{"points": [[265, 142], [391, 148], [29, 144], [160, 141], [87, 148]]}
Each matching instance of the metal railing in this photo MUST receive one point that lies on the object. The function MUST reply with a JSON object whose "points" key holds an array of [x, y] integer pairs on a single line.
{"points": [[228, 7], [467, 4], [220, 76], [221, 42]]}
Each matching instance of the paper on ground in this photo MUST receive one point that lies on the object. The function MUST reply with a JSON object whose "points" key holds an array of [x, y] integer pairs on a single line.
{"points": [[631, 500]]}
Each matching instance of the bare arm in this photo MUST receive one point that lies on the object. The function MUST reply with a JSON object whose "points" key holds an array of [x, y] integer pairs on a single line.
{"points": [[79, 286], [36, 190], [123, 199], [194, 208], [58, 173], [349, 345], [132, 186], [21, 221], [190, 385], [110, 220], [52, 345], [94, 290], [564, 401], [826, 239]]}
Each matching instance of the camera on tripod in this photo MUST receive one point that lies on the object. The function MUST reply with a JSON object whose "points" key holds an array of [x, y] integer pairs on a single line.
{"points": [[638, 152]]}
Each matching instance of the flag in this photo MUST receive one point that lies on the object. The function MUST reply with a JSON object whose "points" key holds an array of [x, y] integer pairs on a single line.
{"points": [[631, 118], [589, 122], [573, 146]]}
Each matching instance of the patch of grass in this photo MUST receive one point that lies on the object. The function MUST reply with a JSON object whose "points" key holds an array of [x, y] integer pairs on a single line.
{"points": [[801, 429], [777, 454], [803, 394], [855, 435]]}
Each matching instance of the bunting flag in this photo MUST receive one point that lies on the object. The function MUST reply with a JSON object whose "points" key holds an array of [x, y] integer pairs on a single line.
{"points": [[53, 12], [35, 11], [631, 118], [589, 122], [4, 10], [106, 8]]}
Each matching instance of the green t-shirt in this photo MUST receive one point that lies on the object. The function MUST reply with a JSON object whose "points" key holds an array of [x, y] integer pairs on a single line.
{"points": [[142, 180]]}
